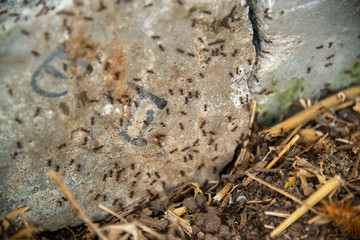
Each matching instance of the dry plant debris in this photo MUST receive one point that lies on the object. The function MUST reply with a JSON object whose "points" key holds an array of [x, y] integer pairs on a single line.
{"points": [[314, 111], [282, 184], [343, 215], [10, 230]]}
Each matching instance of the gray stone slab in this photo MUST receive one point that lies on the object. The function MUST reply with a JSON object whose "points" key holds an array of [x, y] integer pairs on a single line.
{"points": [[122, 100], [304, 49]]}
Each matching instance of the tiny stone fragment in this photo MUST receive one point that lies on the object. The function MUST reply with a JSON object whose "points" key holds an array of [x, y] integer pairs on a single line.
{"points": [[190, 203]]}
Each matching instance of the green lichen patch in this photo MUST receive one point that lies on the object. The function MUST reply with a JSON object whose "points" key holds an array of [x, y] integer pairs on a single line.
{"points": [[348, 77], [291, 93], [355, 71], [282, 97], [212, 26], [192, 10]]}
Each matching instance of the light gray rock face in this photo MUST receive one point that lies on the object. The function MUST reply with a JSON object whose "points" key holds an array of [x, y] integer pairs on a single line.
{"points": [[123, 99], [304, 49]]}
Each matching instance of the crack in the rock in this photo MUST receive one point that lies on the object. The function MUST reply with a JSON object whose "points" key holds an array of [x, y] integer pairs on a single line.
{"points": [[253, 82], [256, 31]]}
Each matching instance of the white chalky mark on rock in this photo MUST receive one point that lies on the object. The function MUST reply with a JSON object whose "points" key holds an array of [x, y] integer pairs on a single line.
{"points": [[107, 109], [240, 85], [243, 3], [49, 114]]}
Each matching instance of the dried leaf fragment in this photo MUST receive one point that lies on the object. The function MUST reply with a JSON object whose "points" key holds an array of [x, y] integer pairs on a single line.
{"points": [[308, 136], [290, 182]]}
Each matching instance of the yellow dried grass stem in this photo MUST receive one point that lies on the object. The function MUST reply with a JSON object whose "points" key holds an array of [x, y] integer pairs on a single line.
{"points": [[355, 187], [259, 201], [182, 223], [312, 112], [261, 164], [331, 185], [283, 151], [72, 200], [277, 214], [24, 232], [293, 132], [252, 112], [221, 194], [112, 213], [16, 212], [240, 157], [346, 104], [26, 224], [277, 189]]}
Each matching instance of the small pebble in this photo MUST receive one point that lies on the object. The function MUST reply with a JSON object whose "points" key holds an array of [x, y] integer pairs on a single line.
{"points": [[190, 203], [200, 235], [201, 199]]}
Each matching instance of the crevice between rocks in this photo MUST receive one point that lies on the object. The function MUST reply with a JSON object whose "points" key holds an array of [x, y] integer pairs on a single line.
{"points": [[256, 32], [254, 84]]}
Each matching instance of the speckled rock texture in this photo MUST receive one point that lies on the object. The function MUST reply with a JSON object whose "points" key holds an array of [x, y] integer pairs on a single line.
{"points": [[304, 49], [123, 99]]}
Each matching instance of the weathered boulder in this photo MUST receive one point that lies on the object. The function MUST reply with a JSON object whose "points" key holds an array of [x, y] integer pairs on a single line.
{"points": [[122, 98]]}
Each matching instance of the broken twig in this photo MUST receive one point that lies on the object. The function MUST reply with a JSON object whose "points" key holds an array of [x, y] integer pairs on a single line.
{"points": [[283, 151], [312, 112]]}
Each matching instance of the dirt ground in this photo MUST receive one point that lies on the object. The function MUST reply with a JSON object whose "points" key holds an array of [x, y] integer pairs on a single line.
{"points": [[240, 206]]}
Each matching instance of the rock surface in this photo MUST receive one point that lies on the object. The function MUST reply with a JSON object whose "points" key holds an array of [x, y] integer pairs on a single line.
{"points": [[304, 49], [122, 98]]}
